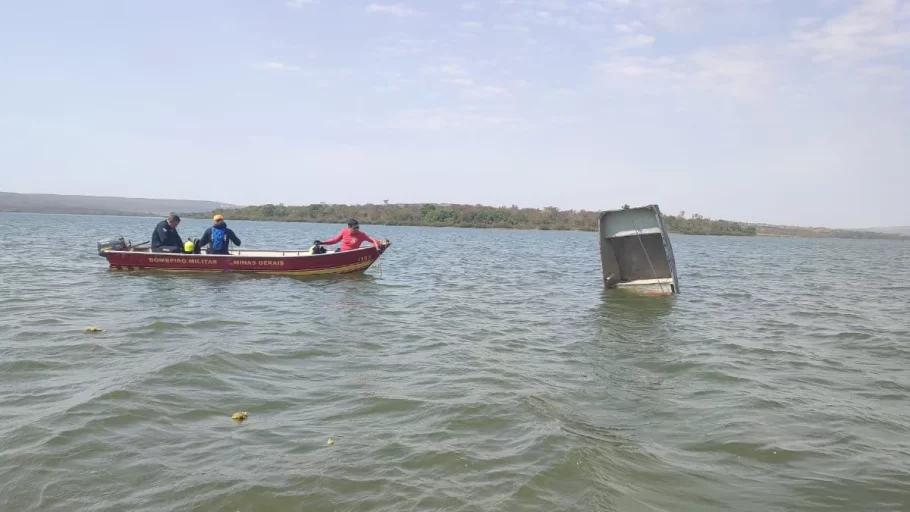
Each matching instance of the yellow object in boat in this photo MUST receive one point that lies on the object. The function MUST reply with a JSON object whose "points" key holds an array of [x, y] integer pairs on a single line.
{"points": [[189, 246]]}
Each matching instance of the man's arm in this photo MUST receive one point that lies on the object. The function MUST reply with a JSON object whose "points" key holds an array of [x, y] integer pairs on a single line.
{"points": [[233, 237], [161, 233], [206, 237], [334, 240], [368, 238]]}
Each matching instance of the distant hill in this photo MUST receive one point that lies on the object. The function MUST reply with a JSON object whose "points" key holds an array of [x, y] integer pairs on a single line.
{"points": [[896, 230], [101, 205], [814, 232], [479, 216], [420, 214]]}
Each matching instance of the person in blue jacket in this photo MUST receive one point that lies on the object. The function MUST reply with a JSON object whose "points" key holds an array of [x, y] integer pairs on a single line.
{"points": [[218, 237]]}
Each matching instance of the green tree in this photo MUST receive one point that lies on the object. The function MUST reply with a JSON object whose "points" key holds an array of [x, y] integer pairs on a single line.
{"points": [[428, 214]]}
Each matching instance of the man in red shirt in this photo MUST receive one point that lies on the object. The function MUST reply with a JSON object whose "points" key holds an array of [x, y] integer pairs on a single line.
{"points": [[350, 238]]}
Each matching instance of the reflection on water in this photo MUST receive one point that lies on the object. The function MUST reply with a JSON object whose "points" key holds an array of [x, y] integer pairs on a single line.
{"points": [[624, 315], [628, 305], [633, 334]]}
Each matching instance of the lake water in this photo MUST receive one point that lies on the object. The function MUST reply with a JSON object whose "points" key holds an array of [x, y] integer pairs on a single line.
{"points": [[473, 370]]}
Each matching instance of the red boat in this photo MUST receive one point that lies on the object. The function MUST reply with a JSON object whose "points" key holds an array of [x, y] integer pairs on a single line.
{"points": [[122, 255]]}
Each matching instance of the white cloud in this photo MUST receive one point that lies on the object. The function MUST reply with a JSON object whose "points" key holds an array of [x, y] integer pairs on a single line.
{"points": [[663, 67], [402, 45], [472, 25], [449, 118], [464, 82], [511, 28], [469, 6], [867, 46], [392, 10], [563, 120], [486, 92], [744, 72], [886, 77], [636, 41], [297, 4], [567, 92], [889, 72], [741, 72], [453, 73], [595, 6], [873, 29], [393, 82], [452, 69], [273, 65], [446, 69], [426, 120], [805, 22], [693, 16], [552, 14], [626, 28], [603, 6], [869, 41], [552, 5]]}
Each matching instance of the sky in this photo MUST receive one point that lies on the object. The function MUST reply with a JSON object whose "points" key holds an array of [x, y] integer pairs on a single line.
{"points": [[779, 111]]}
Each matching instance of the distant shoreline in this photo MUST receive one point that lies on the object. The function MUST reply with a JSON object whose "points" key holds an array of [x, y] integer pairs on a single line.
{"points": [[866, 235], [545, 219], [415, 215]]}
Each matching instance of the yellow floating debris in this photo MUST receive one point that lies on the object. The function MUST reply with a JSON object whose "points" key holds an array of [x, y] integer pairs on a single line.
{"points": [[331, 442], [93, 329], [239, 416]]}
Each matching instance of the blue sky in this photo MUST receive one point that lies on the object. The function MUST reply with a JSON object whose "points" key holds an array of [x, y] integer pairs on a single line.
{"points": [[779, 111]]}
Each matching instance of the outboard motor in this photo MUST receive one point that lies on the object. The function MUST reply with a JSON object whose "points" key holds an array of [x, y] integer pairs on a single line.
{"points": [[117, 244]]}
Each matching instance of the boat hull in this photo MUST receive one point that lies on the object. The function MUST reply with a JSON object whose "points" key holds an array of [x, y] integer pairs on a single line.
{"points": [[635, 251], [284, 262]]}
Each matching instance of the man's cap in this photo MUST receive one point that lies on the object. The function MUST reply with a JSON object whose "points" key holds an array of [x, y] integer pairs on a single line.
{"points": [[218, 217]]}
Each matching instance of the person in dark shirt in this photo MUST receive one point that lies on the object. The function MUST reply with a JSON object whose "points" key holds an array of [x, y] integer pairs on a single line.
{"points": [[165, 237], [218, 237]]}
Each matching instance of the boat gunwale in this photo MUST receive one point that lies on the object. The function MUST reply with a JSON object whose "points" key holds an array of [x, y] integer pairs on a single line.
{"points": [[294, 253]]}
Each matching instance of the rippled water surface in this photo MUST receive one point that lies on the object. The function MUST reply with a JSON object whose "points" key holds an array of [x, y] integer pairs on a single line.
{"points": [[473, 370]]}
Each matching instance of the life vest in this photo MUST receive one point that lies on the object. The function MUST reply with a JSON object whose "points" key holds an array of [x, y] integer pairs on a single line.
{"points": [[219, 239]]}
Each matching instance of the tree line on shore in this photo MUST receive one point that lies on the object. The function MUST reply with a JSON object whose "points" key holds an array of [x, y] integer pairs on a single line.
{"points": [[470, 216]]}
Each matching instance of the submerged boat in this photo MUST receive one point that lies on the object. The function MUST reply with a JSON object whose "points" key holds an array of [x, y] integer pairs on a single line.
{"points": [[635, 251], [122, 255]]}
